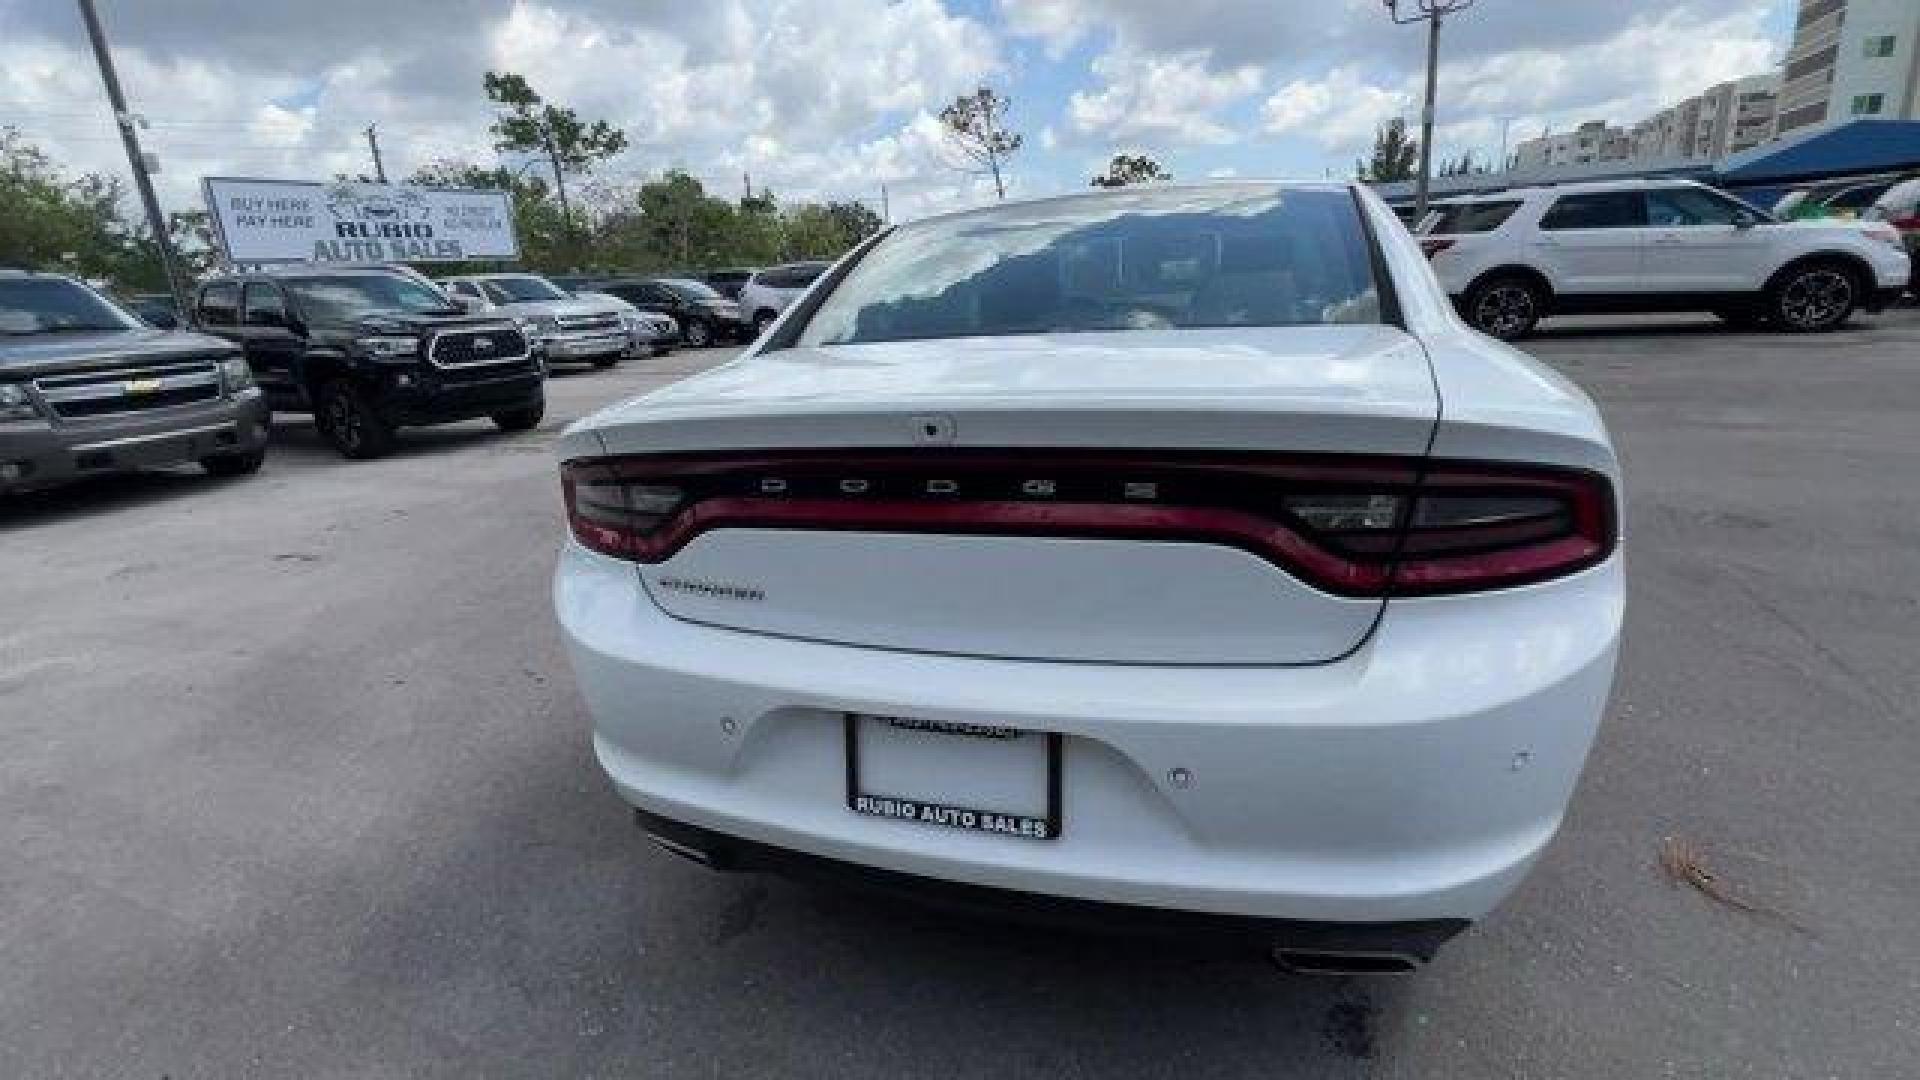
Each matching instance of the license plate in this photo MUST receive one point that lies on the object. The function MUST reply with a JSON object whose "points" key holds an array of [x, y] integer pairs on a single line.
{"points": [[970, 777]]}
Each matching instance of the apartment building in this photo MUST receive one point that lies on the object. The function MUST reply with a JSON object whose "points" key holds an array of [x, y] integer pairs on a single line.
{"points": [[1851, 59], [1592, 141], [1756, 101], [1734, 116]]}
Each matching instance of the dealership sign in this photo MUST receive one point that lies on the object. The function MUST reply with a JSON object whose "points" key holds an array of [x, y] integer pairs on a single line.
{"points": [[264, 221]]}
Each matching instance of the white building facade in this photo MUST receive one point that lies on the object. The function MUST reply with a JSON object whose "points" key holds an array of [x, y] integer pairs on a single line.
{"points": [[1852, 60]]}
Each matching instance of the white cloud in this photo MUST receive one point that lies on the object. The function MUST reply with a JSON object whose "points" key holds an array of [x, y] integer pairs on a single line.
{"points": [[1060, 24], [817, 98], [1650, 62], [1339, 110], [1172, 98], [830, 98]]}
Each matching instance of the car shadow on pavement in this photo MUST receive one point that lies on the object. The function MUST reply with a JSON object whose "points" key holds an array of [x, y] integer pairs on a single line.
{"points": [[556, 932], [106, 494], [297, 441], [1679, 327]]}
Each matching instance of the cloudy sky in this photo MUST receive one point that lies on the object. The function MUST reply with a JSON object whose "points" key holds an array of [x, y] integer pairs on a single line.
{"points": [[833, 98]]}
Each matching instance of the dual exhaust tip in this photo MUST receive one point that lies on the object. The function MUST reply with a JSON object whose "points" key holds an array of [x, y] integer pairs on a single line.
{"points": [[1297, 961]]}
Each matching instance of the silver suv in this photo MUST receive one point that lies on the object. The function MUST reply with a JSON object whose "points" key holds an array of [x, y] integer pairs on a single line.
{"points": [[560, 325]]}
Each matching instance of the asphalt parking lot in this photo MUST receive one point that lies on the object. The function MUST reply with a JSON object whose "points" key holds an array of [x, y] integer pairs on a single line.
{"points": [[294, 782]]}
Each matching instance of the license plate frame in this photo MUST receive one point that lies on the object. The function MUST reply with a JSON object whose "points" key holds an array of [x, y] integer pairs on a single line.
{"points": [[1048, 826]]}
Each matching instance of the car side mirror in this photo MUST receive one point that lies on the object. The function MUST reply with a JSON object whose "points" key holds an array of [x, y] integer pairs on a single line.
{"points": [[1745, 221], [468, 304], [164, 320]]}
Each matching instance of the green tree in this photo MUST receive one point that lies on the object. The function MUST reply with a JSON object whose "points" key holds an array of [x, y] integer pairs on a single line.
{"points": [[1127, 169], [526, 124], [1395, 154], [856, 221], [812, 232], [51, 222], [976, 124]]}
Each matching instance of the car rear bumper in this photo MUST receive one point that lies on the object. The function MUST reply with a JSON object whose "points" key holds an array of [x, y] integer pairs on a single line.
{"points": [[39, 454], [1417, 779], [1354, 944]]}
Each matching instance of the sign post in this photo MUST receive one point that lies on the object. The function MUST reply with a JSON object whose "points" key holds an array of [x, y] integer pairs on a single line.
{"points": [[275, 221]]}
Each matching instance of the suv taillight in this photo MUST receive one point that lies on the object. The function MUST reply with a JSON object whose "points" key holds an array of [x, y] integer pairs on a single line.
{"points": [[1350, 525]]}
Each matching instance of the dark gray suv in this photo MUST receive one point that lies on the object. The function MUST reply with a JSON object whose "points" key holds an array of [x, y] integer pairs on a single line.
{"points": [[86, 388]]}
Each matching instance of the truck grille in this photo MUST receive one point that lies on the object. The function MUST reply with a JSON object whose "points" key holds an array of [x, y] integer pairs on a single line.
{"points": [[130, 390], [474, 348], [592, 324]]}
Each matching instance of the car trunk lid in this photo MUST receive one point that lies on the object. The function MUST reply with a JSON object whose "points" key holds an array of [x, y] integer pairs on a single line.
{"points": [[1075, 497]]}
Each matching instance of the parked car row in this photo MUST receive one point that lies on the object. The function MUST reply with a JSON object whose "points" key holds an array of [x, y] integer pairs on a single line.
{"points": [[90, 385], [735, 304], [1511, 258]]}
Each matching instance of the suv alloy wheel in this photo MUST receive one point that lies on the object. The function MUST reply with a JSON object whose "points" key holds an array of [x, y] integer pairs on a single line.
{"points": [[1815, 298], [1507, 308]]}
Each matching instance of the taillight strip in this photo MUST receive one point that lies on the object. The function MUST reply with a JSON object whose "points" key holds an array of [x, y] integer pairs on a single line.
{"points": [[1390, 561]]}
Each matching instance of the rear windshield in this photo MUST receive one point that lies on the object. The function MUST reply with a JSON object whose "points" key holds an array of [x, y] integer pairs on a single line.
{"points": [[1136, 260], [1474, 217]]}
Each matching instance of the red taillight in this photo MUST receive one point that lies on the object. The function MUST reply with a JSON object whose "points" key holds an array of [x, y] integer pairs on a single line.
{"points": [[1355, 526], [1906, 224], [1434, 245]]}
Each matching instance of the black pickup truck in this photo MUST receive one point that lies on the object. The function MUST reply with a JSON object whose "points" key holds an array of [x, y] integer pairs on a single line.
{"points": [[87, 388], [369, 350]]}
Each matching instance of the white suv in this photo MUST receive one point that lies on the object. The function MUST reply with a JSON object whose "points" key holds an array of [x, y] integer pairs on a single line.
{"points": [[768, 292], [1511, 258]]}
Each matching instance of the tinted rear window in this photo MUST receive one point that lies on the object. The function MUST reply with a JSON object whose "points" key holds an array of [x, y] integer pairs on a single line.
{"points": [[1137, 260], [1597, 210], [1474, 217]]}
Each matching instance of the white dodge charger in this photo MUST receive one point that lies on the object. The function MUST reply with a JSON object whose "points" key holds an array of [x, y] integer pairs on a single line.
{"points": [[1172, 558]]}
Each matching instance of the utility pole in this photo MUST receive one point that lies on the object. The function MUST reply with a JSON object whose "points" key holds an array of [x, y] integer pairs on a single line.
{"points": [[125, 121], [1505, 123], [1431, 12], [373, 144], [886, 210], [746, 184]]}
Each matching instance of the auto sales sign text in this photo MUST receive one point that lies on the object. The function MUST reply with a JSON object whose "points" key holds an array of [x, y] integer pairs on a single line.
{"points": [[261, 221]]}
